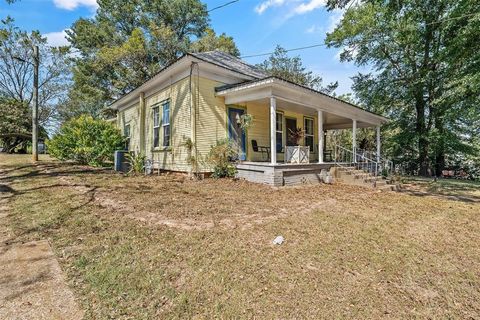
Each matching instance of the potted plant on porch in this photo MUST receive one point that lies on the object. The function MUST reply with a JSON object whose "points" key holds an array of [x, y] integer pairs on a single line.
{"points": [[297, 153]]}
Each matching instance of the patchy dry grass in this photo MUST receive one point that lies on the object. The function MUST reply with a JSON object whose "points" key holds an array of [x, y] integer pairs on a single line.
{"points": [[464, 190], [168, 247]]}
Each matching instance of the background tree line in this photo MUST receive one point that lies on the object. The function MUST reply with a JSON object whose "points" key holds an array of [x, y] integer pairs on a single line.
{"points": [[425, 62], [110, 54], [424, 57]]}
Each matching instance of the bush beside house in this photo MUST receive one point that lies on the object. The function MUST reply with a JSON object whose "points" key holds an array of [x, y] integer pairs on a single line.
{"points": [[221, 158], [87, 141]]}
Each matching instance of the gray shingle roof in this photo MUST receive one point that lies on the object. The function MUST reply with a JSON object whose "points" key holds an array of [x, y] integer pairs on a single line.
{"points": [[233, 63]]}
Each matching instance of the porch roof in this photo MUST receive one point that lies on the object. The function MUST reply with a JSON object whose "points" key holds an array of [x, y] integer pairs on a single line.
{"points": [[339, 112]]}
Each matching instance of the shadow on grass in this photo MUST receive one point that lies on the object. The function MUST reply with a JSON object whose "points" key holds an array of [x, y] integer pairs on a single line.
{"points": [[86, 192], [50, 170], [60, 219], [450, 189], [5, 188]]}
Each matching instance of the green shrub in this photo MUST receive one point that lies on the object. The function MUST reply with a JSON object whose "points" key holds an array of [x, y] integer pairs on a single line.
{"points": [[220, 158], [87, 141]]}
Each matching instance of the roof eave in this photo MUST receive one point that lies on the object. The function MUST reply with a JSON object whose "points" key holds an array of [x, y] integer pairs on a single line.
{"points": [[276, 80], [132, 94]]}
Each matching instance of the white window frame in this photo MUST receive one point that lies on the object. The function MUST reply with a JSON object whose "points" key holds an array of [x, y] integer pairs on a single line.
{"points": [[156, 125], [127, 137], [165, 125]]}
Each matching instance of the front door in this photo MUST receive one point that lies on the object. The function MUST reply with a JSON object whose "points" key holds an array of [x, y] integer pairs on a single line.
{"points": [[235, 132], [291, 125]]}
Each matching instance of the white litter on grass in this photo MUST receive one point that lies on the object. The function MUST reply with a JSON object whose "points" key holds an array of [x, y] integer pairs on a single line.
{"points": [[278, 240]]}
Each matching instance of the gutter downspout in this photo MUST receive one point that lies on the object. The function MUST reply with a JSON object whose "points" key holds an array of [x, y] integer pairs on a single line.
{"points": [[193, 113], [141, 106]]}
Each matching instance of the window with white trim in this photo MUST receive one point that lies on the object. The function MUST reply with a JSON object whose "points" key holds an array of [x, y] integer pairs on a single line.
{"points": [[279, 132], [309, 133], [126, 134], [156, 127], [166, 123]]}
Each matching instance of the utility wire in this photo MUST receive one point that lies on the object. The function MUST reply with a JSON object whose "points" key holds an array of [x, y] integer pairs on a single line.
{"points": [[223, 5], [288, 50], [318, 44], [323, 45]]}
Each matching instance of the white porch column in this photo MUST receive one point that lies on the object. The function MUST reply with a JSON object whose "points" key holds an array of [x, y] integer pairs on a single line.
{"points": [[354, 141], [320, 136], [379, 145], [273, 124]]}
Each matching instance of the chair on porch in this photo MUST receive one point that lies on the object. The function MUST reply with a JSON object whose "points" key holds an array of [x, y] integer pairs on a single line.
{"points": [[262, 149], [327, 156]]}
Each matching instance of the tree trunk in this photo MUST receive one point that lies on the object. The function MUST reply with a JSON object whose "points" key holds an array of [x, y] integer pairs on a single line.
{"points": [[440, 165], [423, 144], [440, 148]]}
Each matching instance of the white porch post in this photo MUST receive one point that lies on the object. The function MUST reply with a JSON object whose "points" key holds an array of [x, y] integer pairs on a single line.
{"points": [[379, 145], [320, 136], [354, 141], [273, 123]]}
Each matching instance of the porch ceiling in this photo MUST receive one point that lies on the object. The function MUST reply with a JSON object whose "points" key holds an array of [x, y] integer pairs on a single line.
{"points": [[337, 113], [331, 121]]}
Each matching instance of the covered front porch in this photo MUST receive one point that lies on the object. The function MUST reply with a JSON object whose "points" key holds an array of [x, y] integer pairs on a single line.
{"points": [[278, 108]]}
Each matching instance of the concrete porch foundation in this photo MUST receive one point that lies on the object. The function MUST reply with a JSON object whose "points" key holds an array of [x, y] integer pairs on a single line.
{"points": [[278, 175]]}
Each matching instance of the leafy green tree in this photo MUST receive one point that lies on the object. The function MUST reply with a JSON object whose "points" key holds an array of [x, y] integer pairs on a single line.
{"points": [[16, 72], [210, 41], [127, 42], [422, 77], [279, 64], [86, 140], [15, 125]]}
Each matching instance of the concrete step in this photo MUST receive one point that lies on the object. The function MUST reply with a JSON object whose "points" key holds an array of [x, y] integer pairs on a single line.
{"points": [[345, 168], [363, 176], [352, 175], [380, 183], [388, 187]]}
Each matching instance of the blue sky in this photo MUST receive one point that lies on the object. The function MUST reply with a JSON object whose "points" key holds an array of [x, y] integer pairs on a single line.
{"points": [[256, 25]]}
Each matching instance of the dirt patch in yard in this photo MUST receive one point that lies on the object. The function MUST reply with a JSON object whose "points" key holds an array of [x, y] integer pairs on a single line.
{"points": [[202, 205], [349, 252]]}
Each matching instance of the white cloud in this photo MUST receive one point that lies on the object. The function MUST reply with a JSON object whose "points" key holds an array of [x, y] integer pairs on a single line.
{"points": [[334, 19], [73, 4], [314, 29], [56, 39], [268, 4], [295, 7], [311, 5]]}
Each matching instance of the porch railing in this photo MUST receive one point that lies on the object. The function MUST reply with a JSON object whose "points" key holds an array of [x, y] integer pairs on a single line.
{"points": [[363, 160], [385, 165]]}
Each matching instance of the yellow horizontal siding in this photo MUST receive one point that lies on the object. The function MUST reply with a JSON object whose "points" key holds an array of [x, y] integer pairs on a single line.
{"points": [[174, 157], [131, 116], [211, 118]]}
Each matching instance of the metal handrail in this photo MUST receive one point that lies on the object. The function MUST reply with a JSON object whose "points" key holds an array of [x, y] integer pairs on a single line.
{"points": [[358, 160], [383, 163]]}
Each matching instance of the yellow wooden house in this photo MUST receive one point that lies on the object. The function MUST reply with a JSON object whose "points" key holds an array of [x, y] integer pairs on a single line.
{"points": [[201, 97]]}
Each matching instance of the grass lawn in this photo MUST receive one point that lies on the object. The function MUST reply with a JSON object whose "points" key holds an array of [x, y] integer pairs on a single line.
{"points": [[167, 247]]}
